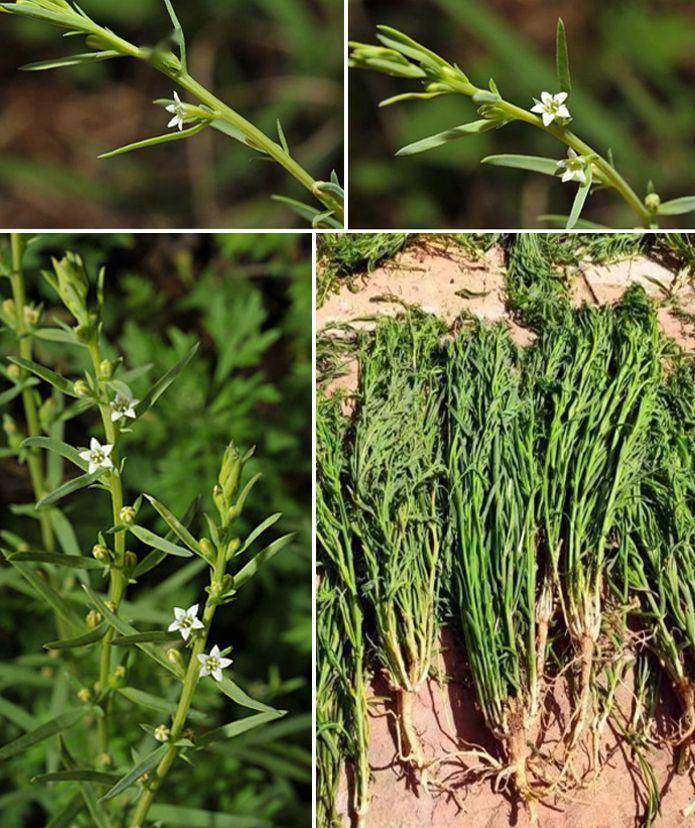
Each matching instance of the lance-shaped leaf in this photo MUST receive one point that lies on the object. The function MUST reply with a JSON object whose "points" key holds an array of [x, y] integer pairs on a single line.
{"points": [[229, 731], [124, 628], [175, 525], [177, 35], [158, 139], [45, 731], [236, 694], [165, 380], [307, 212], [144, 699], [394, 39], [72, 561], [45, 591], [558, 220], [156, 542], [225, 127], [66, 337], [78, 775], [66, 817], [85, 640], [579, 200], [562, 60], [250, 569], [62, 384], [535, 163], [455, 134], [142, 637], [7, 396], [69, 487], [258, 531], [58, 447], [143, 766], [67, 20], [677, 206], [71, 60]]}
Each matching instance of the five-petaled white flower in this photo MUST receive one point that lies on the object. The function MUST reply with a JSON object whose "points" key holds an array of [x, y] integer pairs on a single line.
{"points": [[575, 167], [123, 406], [185, 621], [178, 110], [97, 456], [213, 664], [551, 107]]}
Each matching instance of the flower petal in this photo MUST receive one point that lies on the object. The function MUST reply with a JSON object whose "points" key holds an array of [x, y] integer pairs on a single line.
{"points": [[202, 658], [563, 112], [173, 626], [173, 121], [197, 624], [538, 108], [192, 610], [567, 176], [94, 444], [185, 632], [561, 97], [225, 662], [215, 651], [179, 613], [204, 670], [217, 674], [86, 455], [546, 97], [548, 118], [107, 449]]}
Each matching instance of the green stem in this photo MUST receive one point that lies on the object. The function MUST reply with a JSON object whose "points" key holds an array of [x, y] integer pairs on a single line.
{"points": [[117, 580], [609, 173], [28, 399], [179, 721]]}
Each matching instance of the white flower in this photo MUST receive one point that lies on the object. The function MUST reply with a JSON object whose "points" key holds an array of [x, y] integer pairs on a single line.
{"points": [[185, 621], [178, 109], [97, 456], [213, 664], [575, 167], [551, 107], [123, 406]]}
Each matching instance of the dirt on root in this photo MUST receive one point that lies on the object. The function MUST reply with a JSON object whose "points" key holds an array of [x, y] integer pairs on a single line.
{"points": [[448, 721]]}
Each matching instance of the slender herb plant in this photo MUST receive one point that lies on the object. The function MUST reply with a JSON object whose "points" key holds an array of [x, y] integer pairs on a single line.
{"points": [[396, 470], [98, 653], [188, 119], [402, 57]]}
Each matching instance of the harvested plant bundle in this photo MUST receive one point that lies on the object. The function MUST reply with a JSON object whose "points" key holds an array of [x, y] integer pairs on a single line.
{"points": [[396, 469], [596, 378], [341, 690], [500, 588]]}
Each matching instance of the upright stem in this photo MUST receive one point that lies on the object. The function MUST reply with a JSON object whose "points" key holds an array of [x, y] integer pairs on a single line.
{"points": [[28, 399], [117, 580], [179, 721]]}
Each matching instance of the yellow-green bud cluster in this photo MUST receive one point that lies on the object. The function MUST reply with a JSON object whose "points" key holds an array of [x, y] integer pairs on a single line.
{"points": [[73, 285]]}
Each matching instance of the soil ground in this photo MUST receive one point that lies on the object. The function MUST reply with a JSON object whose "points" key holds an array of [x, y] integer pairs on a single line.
{"points": [[441, 279]]}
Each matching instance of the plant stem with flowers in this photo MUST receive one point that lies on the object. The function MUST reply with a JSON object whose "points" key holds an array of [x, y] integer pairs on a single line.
{"points": [[401, 56]]}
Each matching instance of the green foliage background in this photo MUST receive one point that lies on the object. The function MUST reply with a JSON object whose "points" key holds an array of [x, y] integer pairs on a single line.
{"points": [[633, 74], [248, 299], [269, 58]]}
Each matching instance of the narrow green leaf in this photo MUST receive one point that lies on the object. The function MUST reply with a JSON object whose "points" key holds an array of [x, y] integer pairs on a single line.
{"points": [[229, 731], [474, 128], [166, 379], [231, 131], [71, 60], [78, 775], [17, 715], [258, 531], [677, 206], [135, 772], [66, 817], [156, 542], [178, 815], [140, 697], [90, 637], [69, 487], [281, 136], [9, 395], [250, 569], [547, 166], [51, 377], [45, 731], [562, 60], [57, 335], [45, 591], [578, 203], [178, 35], [306, 211], [140, 638], [175, 525], [559, 220], [177, 135], [236, 694], [58, 447], [72, 561]]}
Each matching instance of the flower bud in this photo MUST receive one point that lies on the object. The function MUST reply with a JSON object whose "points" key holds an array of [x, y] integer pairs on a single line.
{"points": [[81, 388], [207, 549], [105, 369], [73, 285], [161, 733], [47, 672], [14, 372], [9, 425], [119, 672], [652, 202], [93, 619], [47, 413], [84, 695], [174, 657], [31, 315], [130, 560], [127, 515], [111, 605], [100, 552], [9, 309], [103, 760], [22, 546], [230, 472], [232, 547]]}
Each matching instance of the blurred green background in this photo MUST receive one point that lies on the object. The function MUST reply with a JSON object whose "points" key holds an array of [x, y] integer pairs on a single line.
{"points": [[268, 58], [633, 73], [247, 298]]}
